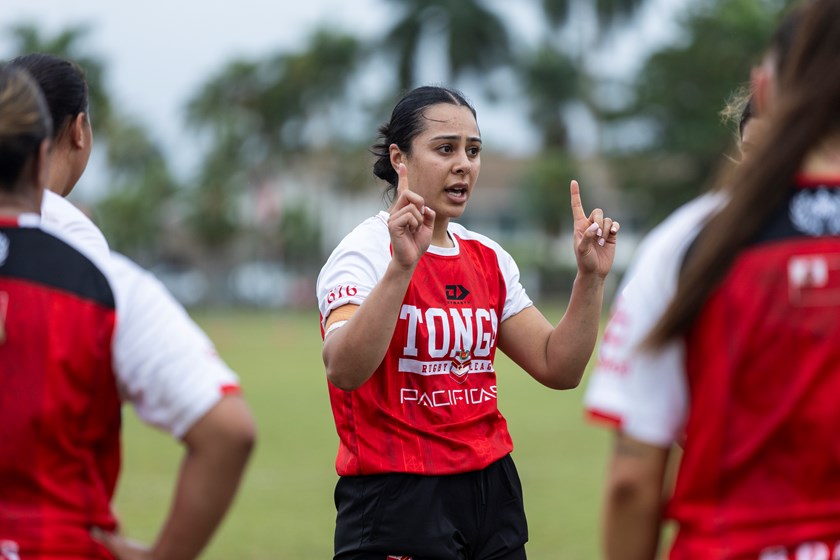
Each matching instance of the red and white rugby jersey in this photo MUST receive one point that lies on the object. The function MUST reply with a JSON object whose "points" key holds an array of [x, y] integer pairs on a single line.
{"points": [[430, 408], [80, 334], [166, 365], [61, 217], [647, 288], [759, 381], [59, 408]]}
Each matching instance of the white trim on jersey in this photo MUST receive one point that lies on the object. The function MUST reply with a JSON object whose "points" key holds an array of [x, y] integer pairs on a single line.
{"points": [[516, 299], [165, 365], [360, 261], [28, 220], [440, 367], [62, 218], [643, 391]]}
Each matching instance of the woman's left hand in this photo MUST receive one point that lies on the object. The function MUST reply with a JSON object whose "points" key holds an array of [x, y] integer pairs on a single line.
{"points": [[595, 237]]}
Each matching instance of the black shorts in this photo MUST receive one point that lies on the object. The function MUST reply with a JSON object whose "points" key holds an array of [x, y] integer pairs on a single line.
{"points": [[470, 516]]}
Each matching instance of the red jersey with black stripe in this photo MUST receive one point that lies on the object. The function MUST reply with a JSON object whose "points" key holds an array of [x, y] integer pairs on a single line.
{"points": [[431, 406], [762, 457], [752, 388], [163, 364], [59, 404]]}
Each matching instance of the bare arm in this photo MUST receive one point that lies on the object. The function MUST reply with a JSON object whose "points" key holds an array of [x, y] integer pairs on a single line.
{"points": [[557, 356], [633, 501], [218, 447], [353, 352]]}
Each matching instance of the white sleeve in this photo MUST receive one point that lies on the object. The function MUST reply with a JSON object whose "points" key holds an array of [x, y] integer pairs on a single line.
{"points": [[354, 268], [644, 393], [62, 219], [516, 299], [165, 365]]}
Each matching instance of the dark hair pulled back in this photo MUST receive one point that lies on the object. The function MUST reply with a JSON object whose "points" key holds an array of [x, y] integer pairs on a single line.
{"points": [[407, 121], [62, 83], [24, 124]]}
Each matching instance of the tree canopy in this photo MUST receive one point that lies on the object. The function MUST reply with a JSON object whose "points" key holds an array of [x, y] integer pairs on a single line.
{"points": [[272, 114]]}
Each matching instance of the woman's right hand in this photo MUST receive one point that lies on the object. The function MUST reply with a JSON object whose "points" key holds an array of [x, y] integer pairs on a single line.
{"points": [[410, 224], [121, 547]]}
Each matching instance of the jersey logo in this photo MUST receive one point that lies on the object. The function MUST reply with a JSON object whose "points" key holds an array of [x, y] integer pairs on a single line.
{"points": [[456, 292], [809, 280], [816, 213], [4, 306], [460, 366]]}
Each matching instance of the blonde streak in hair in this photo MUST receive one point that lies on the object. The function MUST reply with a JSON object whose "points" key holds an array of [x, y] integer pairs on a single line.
{"points": [[20, 111], [735, 105]]}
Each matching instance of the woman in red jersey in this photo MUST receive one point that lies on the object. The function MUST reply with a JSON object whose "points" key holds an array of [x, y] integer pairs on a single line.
{"points": [[413, 307], [73, 346], [742, 359]]}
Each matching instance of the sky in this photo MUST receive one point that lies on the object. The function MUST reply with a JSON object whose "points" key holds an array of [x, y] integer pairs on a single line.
{"points": [[158, 52]]}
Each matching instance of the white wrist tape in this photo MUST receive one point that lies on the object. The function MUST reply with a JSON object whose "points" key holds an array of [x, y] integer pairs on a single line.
{"points": [[334, 326]]}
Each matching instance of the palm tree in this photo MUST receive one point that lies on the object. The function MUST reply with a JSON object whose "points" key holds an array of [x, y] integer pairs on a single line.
{"points": [[68, 43], [679, 93], [558, 13], [263, 117], [139, 183], [268, 104], [476, 38], [550, 80], [607, 12], [555, 78]]}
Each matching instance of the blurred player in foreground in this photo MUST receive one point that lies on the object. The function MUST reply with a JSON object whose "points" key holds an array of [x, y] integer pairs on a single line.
{"points": [[143, 349], [726, 339]]}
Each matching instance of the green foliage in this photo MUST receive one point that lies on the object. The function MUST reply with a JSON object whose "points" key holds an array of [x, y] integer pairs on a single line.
{"points": [[139, 183], [681, 91], [259, 115], [211, 203], [266, 104], [550, 79], [546, 192], [301, 237], [277, 113], [611, 12], [607, 12], [68, 43], [130, 213], [476, 38]]}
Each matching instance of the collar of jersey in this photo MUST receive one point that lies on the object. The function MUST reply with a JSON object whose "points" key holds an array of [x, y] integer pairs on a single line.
{"points": [[27, 219], [446, 251], [804, 181]]}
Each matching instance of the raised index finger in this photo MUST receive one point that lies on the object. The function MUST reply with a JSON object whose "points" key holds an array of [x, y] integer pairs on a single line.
{"points": [[577, 206], [402, 179]]}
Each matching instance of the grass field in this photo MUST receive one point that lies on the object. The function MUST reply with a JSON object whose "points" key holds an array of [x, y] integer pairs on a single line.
{"points": [[285, 508]]}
